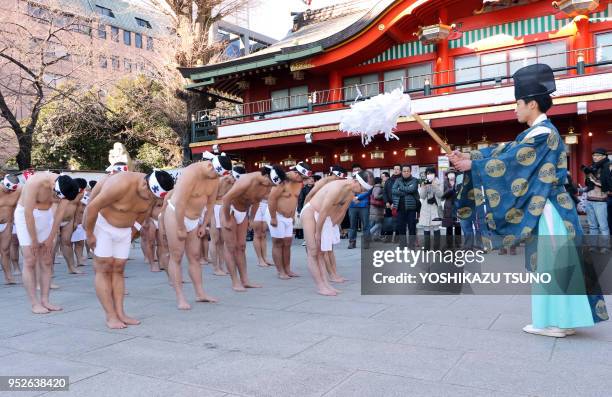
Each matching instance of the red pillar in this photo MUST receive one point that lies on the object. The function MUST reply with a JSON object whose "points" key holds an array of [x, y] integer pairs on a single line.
{"points": [[580, 41], [335, 86], [442, 59]]}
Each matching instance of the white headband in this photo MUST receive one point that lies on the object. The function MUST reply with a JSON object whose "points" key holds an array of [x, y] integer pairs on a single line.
{"points": [[57, 190], [337, 173], [236, 175], [9, 185], [113, 169], [273, 175], [155, 187], [302, 170], [363, 183], [206, 155]]}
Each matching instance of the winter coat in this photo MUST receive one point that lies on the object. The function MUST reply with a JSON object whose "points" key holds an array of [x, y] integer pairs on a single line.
{"points": [[430, 211], [405, 189], [377, 193], [450, 214]]}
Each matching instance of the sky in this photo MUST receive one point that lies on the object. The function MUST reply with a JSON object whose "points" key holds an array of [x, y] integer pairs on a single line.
{"points": [[273, 17]]}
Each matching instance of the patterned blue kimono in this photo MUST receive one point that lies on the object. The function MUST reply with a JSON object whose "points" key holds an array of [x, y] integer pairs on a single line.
{"points": [[524, 195]]}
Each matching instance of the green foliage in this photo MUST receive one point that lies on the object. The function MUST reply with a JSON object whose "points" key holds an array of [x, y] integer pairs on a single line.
{"points": [[79, 132]]}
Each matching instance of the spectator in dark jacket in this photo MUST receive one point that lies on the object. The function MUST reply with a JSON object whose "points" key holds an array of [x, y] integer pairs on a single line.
{"points": [[388, 188], [449, 221], [405, 197], [308, 185], [359, 210]]}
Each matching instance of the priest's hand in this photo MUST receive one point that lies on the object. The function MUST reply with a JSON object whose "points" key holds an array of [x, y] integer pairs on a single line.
{"points": [[456, 156], [463, 165]]}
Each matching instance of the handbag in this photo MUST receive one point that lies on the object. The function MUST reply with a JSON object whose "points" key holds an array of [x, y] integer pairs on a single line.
{"points": [[376, 202]]}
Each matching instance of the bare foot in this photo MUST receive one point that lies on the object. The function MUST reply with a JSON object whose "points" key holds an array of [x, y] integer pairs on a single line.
{"points": [[80, 264], [39, 309], [76, 271], [115, 324], [51, 307], [183, 305], [326, 292], [220, 273], [263, 264], [206, 298], [251, 285], [54, 286], [238, 288], [283, 276], [155, 268], [291, 274], [129, 320], [10, 281], [336, 279]]}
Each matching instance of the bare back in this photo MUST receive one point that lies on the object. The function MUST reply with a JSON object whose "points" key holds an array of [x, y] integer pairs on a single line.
{"points": [[8, 202], [333, 198], [225, 184], [39, 188], [123, 198], [251, 188], [195, 188]]}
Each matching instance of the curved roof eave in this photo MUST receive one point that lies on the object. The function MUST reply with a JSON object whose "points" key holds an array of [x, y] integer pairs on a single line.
{"points": [[284, 54]]}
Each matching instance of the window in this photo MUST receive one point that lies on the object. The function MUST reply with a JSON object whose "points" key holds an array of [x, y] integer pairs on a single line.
{"points": [[127, 65], [102, 62], [81, 28], [603, 42], [505, 63], [102, 31], [115, 62], [115, 34], [38, 12], [150, 43], [410, 78], [138, 40], [104, 11], [290, 98], [127, 37], [417, 75], [144, 23], [394, 79], [367, 85]]}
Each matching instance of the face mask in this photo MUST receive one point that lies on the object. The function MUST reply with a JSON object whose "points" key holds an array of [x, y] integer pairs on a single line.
{"points": [[430, 177], [451, 177]]}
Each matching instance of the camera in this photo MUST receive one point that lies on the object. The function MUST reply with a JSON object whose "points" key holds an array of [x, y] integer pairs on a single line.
{"points": [[588, 169]]}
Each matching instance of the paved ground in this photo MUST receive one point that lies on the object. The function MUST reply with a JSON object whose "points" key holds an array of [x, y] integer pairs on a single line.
{"points": [[284, 340]]}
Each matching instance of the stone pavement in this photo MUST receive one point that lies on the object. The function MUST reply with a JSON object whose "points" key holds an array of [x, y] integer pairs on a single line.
{"points": [[285, 340]]}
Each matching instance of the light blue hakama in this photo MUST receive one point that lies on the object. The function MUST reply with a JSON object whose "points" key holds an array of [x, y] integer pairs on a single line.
{"points": [[562, 311]]}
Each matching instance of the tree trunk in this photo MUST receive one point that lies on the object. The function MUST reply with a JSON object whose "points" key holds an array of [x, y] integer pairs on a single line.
{"points": [[24, 157]]}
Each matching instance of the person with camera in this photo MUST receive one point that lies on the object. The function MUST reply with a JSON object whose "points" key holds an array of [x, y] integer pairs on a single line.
{"points": [[430, 192], [449, 221], [598, 184]]}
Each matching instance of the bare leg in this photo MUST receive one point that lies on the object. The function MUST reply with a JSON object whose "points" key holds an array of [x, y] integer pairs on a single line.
{"points": [[259, 243], [241, 232], [46, 264], [15, 255], [78, 250], [323, 270], [177, 250], [66, 247], [309, 225], [104, 290], [287, 257], [146, 245], [5, 253], [118, 291], [193, 247], [277, 255], [230, 251], [30, 279], [216, 239], [330, 264]]}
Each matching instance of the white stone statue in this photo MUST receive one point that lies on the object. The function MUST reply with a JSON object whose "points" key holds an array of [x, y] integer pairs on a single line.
{"points": [[120, 154]]}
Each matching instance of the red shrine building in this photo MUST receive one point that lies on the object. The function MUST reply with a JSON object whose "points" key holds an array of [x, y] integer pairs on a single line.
{"points": [[454, 58]]}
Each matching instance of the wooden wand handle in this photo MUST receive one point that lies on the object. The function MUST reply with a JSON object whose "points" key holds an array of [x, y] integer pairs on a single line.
{"points": [[432, 133]]}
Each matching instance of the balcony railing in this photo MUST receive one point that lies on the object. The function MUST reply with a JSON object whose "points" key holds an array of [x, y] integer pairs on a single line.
{"points": [[205, 122]]}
